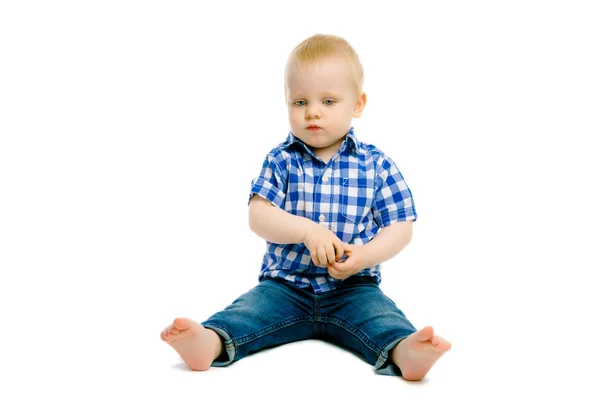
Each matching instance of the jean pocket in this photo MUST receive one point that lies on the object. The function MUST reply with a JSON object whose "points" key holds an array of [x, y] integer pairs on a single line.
{"points": [[357, 198]]}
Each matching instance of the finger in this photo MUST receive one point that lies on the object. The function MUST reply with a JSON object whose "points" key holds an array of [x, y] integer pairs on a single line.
{"points": [[339, 250], [334, 273], [334, 267], [330, 254], [322, 254], [315, 258], [344, 266], [348, 248], [313, 255]]}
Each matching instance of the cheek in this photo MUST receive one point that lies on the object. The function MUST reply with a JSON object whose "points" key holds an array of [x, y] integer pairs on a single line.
{"points": [[340, 115], [296, 115], [348, 114]]}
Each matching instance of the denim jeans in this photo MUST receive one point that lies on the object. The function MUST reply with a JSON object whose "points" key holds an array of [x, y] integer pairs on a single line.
{"points": [[357, 316]]}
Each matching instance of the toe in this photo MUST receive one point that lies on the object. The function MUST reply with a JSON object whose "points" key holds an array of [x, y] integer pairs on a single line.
{"points": [[444, 345], [181, 323], [425, 334]]}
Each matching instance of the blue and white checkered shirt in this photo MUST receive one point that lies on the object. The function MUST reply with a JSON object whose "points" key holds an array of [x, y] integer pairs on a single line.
{"points": [[358, 192]]}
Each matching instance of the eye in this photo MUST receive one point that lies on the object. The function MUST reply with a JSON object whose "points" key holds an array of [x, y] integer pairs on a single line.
{"points": [[300, 103], [329, 102]]}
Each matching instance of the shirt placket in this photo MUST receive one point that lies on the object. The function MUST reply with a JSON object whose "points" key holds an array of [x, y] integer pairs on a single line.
{"points": [[324, 207]]}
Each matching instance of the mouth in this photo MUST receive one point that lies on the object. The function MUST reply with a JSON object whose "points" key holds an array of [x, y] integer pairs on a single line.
{"points": [[313, 128]]}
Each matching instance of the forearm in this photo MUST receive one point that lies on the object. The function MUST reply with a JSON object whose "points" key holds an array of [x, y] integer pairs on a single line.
{"points": [[387, 243], [276, 225]]}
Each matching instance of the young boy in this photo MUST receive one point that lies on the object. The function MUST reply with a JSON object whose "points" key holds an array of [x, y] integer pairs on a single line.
{"points": [[331, 209]]}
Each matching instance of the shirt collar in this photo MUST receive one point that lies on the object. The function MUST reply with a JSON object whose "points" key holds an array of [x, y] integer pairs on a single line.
{"points": [[350, 143]]}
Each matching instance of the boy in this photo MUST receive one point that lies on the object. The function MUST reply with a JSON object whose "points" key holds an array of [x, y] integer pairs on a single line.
{"points": [[331, 209]]}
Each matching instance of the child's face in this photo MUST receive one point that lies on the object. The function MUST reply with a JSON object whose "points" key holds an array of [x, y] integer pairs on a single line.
{"points": [[322, 101]]}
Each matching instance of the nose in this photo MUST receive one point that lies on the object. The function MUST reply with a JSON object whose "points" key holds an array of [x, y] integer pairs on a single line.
{"points": [[313, 112]]}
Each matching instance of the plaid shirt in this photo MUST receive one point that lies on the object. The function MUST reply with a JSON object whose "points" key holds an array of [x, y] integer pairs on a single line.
{"points": [[358, 192]]}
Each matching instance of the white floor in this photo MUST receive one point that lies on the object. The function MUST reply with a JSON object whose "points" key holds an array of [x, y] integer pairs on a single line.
{"points": [[107, 345]]}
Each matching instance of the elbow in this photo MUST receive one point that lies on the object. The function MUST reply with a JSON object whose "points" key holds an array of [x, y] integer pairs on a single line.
{"points": [[409, 236], [404, 239], [254, 213], [409, 232], [405, 232], [252, 218]]}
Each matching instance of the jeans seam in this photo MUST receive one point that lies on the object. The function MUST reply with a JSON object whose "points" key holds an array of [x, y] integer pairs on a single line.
{"points": [[353, 330], [273, 328]]}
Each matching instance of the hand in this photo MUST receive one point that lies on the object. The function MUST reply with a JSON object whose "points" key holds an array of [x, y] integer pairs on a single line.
{"points": [[353, 264], [324, 246]]}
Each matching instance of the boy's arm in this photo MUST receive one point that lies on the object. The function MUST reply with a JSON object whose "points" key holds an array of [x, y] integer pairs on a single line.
{"points": [[278, 226], [274, 224], [387, 243], [393, 209]]}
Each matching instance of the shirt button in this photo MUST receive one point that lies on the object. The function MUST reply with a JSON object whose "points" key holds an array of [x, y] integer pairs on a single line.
{"points": [[325, 179], [321, 218]]}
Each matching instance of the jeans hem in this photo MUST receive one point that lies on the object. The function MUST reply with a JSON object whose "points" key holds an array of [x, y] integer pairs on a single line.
{"points": [[385, 365], [230, 348]]}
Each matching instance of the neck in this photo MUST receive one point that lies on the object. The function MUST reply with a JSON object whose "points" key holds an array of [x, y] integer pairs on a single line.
{"points": [[326, 153]]}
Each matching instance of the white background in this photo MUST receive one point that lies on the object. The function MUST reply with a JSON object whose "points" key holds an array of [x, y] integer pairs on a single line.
{"points": [[130, 132]]}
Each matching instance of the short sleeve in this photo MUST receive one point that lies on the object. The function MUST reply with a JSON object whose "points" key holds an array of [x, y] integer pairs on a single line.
{"points": [[393, 198], [270, 184]]}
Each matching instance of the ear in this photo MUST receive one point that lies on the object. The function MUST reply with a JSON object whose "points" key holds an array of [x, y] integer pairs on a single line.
{"points": [[360, 105]]}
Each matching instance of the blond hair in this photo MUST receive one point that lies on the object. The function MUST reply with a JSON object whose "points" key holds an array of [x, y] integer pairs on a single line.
{"points": [[319, 47]]}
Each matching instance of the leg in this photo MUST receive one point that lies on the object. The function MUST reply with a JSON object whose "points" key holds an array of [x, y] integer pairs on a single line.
{"points": [[360, 316], [270, 314]]}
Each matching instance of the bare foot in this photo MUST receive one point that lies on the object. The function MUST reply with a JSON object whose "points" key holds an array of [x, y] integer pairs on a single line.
{"points": [[416, 354], [196, 345]]}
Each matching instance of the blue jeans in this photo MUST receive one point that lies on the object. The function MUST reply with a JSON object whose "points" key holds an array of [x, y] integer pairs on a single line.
{"points": [[357, 316]]}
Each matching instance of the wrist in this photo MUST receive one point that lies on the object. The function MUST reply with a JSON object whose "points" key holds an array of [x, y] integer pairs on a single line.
{"points": [[307, 226], [369, 259]]}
